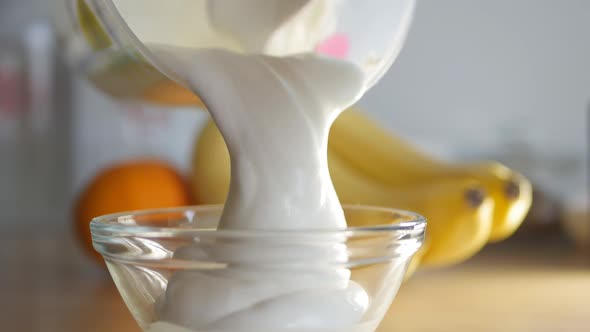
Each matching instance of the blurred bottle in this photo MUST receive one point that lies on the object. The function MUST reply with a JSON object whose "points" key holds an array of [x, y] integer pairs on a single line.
{"points": [[34, 118]]}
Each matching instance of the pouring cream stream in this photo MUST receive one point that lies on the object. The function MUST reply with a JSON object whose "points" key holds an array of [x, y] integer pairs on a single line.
{"points": [[275, 112]]}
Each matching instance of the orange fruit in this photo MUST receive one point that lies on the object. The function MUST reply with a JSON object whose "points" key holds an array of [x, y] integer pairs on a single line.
{"points": [[169, 93], [135, 185]]}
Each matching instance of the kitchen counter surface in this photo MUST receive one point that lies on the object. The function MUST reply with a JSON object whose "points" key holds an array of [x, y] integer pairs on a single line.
{"points": [[46, 285]]}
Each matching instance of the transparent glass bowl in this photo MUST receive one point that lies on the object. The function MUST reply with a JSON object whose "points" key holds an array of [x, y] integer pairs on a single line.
{"points": [[106, 39], [145, 250]]}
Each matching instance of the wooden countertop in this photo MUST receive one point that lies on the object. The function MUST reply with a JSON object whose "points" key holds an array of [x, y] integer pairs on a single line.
{"points": [[46, 285]]}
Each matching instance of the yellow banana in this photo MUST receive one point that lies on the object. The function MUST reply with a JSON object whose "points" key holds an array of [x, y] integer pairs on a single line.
{"points": [[391, 161], [211, 166], [459, 213]]}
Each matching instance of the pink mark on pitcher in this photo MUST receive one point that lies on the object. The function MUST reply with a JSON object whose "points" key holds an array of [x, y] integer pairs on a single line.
{"points": [[335, 46]]}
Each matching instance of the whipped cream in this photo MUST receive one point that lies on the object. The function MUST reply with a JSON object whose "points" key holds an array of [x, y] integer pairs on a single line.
{"points": [[167, 327], [276, 126], [274, 112], [274, 27]]}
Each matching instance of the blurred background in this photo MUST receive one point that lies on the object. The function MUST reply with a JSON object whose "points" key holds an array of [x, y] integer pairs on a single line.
{"points": [[477, 80]]}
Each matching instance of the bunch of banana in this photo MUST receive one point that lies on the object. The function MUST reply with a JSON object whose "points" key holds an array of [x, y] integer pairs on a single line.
{"points": [[391, 161], [466, 205]]}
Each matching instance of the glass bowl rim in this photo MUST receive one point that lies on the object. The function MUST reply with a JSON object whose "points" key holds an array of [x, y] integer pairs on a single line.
{"points": [[111, 225]]}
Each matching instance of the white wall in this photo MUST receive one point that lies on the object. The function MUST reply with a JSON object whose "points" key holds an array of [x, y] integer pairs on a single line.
{"points": [[109, 132], [504, 79], [475, 71]]}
